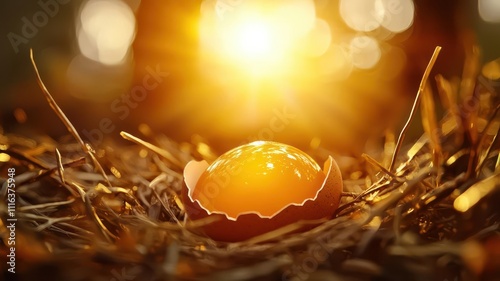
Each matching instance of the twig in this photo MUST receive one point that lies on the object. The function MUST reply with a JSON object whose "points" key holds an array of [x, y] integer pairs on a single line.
{"points": [[56, 107], [432, 129], [42, 206], [25, 157], [69, 126], [165, 154], [50, 221], [49, 172], [60, 167], [91, 212], [375, 163], [483, 139], [98, 165], [414, 107]]}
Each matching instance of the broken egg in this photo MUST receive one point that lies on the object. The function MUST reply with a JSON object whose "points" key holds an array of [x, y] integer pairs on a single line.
{"points": [[259, 187]]}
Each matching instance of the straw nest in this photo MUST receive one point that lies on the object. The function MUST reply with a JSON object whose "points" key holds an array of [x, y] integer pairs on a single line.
{"points": [[415, 211]]}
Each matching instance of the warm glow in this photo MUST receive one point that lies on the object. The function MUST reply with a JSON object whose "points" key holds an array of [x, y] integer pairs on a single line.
{"points": [[337, 63], [368, 15], [4, 157], [381, 19], [259, 187], [491, 70], [464, 202], [360, 15], [295, 17], [263, 37], [395, 15], [254, 40], [475, 193], [281, 175], [250, 40], [318, 39], [106, 31], [365, 52]]}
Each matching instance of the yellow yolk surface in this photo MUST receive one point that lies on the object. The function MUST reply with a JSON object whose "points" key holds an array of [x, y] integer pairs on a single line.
{"points": [[260, 177]]}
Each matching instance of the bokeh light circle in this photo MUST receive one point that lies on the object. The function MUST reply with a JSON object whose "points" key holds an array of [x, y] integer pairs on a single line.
{"points": [[106, 31], [359, 15], [365, 51], [395, 15]]}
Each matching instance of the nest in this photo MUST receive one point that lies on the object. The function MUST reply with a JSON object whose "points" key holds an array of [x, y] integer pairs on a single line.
{"points": [[114, 213]]}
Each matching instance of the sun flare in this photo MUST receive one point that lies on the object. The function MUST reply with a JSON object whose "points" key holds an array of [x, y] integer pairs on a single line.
{"points": [[256, 44], [258, 37], [253, 41]]}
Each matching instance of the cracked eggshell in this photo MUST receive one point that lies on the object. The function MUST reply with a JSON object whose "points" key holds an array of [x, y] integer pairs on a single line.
{"points": [[250, 224]]}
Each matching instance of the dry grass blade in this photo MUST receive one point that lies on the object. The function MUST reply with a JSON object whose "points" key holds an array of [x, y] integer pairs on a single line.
{"points": [[60, 166], [165, 154], [417, 147], [25, 157], [469, 97], [79, 189], [166, 207], [497, 164], [90, 152], [52, 221], [278, 233], [476, 192], [46, 205], [446, 94], [437, 194], [469, 74], [375, 188], [448, 97], [482, 157], [389, 145], [407, 187], [49, 222], [69, 126], [431, 128], [56, 107], [423, 82], [91, 212], [49, 172], [376, 164]]}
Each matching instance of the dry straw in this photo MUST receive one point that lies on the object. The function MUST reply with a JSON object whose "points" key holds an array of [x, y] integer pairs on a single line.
{"points": [[114, 213]]}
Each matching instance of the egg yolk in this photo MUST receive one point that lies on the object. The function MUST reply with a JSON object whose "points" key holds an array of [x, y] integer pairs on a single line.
{"points": [[260, 177]]}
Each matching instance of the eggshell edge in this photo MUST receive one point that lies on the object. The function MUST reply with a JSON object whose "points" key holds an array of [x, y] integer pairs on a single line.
{"points": [[194, 169]]}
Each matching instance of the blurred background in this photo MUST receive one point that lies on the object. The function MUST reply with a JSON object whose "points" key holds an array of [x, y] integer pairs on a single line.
{"points": [[335, 72]]}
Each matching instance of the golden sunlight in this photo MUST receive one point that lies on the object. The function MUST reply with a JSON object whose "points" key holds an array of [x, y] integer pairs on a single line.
{"points": [[252, 40], [255, 40], [262, 37]]}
